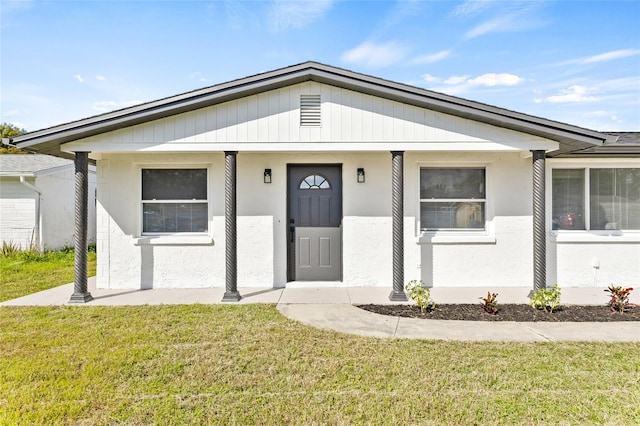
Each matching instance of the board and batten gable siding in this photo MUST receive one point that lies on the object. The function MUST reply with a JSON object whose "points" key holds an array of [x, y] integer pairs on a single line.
{"points": [[271, 120]]}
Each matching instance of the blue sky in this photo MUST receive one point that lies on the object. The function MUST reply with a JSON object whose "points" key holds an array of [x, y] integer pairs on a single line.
{"points": [[570, 61]]}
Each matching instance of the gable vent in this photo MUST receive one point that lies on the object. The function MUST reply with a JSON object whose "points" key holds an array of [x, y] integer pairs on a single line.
{"points": [[310, 112]]}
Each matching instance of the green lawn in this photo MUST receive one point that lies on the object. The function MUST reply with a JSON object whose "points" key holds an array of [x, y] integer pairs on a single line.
{"points": [[24, 273], [247, 364]]}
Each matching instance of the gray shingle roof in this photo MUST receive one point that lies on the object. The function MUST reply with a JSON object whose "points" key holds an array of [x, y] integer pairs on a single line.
{"points": [[625, 138], [21, 164]]}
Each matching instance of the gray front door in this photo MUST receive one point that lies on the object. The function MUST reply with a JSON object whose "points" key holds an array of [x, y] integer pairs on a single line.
{"points": [[315, 217]]}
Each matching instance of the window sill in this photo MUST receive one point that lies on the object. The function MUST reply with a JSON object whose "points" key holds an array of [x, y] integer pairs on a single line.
{"points": [[172, 240], [595, 237], [456, 239]]}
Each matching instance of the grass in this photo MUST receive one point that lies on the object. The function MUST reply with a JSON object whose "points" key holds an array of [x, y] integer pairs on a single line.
{"points": [[247, 364], [27, 272]]}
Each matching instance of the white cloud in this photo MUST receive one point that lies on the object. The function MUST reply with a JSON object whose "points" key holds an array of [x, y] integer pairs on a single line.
{"points": [[198, 76], [492, 79], [456, 79], [471, 7], [375, 55], [79, 78], [105, 106], [430, 78], [100, 77], [510, 17], [611, 116], [429, 59], [288, 14], [496, 25], [609, 56], [574, 94], [458, 84]]}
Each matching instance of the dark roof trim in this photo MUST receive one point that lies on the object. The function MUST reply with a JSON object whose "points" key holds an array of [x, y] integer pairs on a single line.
{"points": [[571, 138]]}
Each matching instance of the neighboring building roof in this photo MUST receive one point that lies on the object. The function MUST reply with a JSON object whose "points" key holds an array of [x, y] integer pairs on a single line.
{"points": [[571, 138], [29, 164], [625, 138], [627, 145]]}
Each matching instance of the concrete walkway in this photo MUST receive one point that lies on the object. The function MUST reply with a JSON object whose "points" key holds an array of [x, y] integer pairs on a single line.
{"points": [[332, 308]]}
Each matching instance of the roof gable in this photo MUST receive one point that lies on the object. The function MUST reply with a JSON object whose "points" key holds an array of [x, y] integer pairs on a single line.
{"points": [[571, 138], [274, 120]]}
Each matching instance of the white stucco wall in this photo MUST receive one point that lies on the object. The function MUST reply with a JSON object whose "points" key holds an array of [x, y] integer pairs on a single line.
{"points": [[594, 264], [58, 208], [501, 256], [262, 231]]}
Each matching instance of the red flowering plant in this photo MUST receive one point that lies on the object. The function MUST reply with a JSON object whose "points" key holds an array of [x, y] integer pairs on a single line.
{"points": [[619, 298], [490, 303]]}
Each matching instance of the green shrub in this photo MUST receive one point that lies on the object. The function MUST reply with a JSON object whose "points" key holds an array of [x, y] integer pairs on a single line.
{"points": [[421, 295], [9, 248], [546, 299]]}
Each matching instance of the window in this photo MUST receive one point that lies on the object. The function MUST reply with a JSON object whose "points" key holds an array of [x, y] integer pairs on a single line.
{"points": [[611, 194], [315, 182], [452, 199], [568, 198], [174, 201]]}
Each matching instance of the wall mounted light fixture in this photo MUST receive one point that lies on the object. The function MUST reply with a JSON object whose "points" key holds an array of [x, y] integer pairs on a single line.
{"points": [[360, 175], [267, 175]]}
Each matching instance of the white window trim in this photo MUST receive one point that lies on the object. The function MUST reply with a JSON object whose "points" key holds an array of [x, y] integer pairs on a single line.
{"points": [[466, 236], [177, 238], [172, 239], [581, 235]]}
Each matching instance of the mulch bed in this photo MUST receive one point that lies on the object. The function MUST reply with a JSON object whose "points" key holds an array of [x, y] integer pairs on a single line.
{"points": [[520, 313]]}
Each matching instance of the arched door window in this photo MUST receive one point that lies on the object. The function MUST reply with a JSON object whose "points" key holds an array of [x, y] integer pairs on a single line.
{"points": [[315, 182]]}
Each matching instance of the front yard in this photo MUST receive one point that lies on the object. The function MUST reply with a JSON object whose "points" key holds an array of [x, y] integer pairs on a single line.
{"points": [[23, 273], [221, 364], [247, 364]]}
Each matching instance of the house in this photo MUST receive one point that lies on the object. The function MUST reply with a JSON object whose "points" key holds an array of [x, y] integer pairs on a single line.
{"points": [[316, 175], [37, 201]]}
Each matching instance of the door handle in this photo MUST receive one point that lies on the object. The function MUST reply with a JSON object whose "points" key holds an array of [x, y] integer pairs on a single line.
{"points": [[292, 229]]}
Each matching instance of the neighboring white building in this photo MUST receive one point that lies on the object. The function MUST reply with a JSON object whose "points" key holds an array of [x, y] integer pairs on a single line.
{"points": [[287, 178], [36, 201]]}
